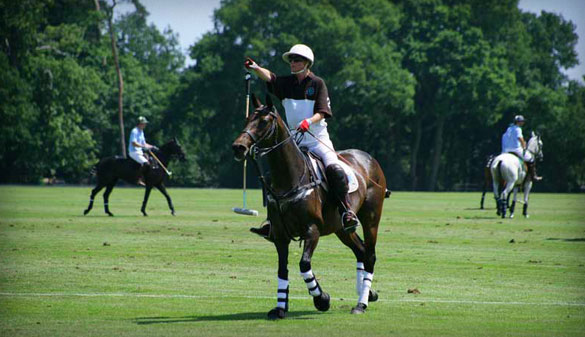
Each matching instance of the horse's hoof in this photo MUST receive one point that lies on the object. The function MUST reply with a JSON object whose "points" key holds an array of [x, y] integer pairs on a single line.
{"points": [[322, 302], [85, 212], [110, 214], [359, 309], [373, 297], [144, 213], [276, 313], [511, 216], [173, 213], [526, 216]]}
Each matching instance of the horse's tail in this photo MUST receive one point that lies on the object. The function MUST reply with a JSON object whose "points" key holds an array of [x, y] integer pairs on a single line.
{"points": [[93, 171], [499, 170]]}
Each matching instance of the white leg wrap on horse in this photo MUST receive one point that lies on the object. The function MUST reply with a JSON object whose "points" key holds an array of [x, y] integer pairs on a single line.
{"points": [[311, 282], [359, 277], [367, 285], [282, 293]]}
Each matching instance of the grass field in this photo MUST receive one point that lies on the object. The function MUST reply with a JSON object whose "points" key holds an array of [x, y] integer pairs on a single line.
{"points": [[202, 273]]}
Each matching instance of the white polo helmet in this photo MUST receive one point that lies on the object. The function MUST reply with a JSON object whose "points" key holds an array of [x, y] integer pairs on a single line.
{"points": [[301, 50]]}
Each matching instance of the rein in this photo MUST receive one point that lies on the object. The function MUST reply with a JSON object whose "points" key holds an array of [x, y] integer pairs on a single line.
{"points": [[259, 152]]}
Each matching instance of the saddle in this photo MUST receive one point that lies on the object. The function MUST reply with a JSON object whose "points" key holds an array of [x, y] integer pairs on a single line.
{"points": [[522, 162], [153, 163], [317, 169]]}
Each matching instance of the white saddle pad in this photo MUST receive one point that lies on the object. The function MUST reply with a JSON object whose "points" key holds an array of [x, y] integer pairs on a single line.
{"points": [[349, 173]]}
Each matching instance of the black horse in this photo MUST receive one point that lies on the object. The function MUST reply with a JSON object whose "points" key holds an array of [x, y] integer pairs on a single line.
{"points": [[110, 169]]}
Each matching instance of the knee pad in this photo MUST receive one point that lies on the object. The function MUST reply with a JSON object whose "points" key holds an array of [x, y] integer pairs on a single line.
{"points": [[337, 179]]}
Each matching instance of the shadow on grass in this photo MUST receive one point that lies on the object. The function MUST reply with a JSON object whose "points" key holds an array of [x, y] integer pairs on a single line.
{"points": [[568, 240], [243, 316], [480, 217]]}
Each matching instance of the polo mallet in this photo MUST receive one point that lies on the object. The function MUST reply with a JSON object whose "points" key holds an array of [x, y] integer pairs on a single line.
{"points": [[244, 210], [169, 173]]}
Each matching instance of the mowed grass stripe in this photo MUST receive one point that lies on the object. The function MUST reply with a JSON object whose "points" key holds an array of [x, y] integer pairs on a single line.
{"points": [[202, 273], [271, 297]]}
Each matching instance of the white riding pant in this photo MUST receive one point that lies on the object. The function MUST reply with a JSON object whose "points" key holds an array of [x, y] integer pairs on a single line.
{"points": [[138, 157], [324, 152], [523, 154]]}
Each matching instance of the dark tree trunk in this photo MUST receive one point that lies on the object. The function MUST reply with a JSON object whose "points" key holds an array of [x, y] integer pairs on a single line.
{"points": [[120, 80], [414, 153], [437, 151]]}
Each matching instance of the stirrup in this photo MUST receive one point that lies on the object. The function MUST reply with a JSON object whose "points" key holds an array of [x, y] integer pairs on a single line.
{"points": [[140, 182], [352, 227]]}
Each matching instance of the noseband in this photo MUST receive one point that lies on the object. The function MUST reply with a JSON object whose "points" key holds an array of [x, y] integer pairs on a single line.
{"points": [[262, 151]]}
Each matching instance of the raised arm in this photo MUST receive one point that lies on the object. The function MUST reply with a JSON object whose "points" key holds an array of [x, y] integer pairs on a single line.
{"points": [[262, 73]]}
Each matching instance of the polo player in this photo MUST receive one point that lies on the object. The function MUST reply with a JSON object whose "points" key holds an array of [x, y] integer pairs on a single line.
{"points": [[513, 142], [136, 144], [306, 102]]}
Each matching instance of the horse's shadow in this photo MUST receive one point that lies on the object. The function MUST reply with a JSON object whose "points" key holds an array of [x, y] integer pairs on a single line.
{"points": [[243, 316]]}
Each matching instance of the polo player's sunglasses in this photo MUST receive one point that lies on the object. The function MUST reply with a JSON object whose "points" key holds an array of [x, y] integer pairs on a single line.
{"points": [[296, 59]]}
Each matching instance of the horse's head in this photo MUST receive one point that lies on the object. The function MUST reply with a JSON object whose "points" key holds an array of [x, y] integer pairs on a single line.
{"points": [[535, 146], [173, 148], [259, 129]]}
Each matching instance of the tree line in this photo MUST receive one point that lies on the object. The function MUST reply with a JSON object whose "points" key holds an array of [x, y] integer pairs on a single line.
{"points": [[426, 86]]}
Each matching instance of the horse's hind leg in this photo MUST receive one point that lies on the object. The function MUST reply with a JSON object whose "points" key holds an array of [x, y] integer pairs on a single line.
{"points": [[321, 299], [91, 198], [508, 187], [370, 218], [163, 190], [145, 201], [513, 206], [353, 241], [107, 197]]}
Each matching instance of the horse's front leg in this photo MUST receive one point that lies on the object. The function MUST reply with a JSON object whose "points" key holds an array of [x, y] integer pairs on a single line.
{"points": [[281, 308], [145, 201], [107, 198], [163, 190], [527, 188], [321, 299]]}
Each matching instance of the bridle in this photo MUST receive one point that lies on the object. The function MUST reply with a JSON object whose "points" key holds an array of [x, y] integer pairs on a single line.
{"points": [[259, 152], [262, 151], [538, 151]]}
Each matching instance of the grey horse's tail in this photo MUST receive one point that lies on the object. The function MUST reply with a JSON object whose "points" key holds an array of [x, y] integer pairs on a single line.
{"points": [[499, 170]]}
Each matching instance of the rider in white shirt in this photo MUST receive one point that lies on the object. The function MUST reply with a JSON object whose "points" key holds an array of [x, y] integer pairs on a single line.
{"points": [[513, 142], [136, 144], [306, 102]]}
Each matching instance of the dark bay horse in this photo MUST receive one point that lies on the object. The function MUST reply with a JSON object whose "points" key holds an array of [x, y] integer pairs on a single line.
{"points": [[297, 208], [110, 169]]}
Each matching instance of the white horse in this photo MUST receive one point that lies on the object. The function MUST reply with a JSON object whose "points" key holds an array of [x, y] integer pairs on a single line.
{"points": [[511, 170]]}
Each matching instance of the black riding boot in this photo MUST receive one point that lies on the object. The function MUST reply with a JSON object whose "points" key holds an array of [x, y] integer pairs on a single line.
{"points": [[264, 230], [532, 171], [142, 173], [339, 185]]}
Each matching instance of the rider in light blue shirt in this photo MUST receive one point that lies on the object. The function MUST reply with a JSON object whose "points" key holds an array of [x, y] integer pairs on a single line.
{"points": [[136, 144], [513, 142]]}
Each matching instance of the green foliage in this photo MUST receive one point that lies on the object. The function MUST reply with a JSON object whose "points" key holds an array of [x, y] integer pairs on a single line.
{"points": [[426, 86], [58, 93]]}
